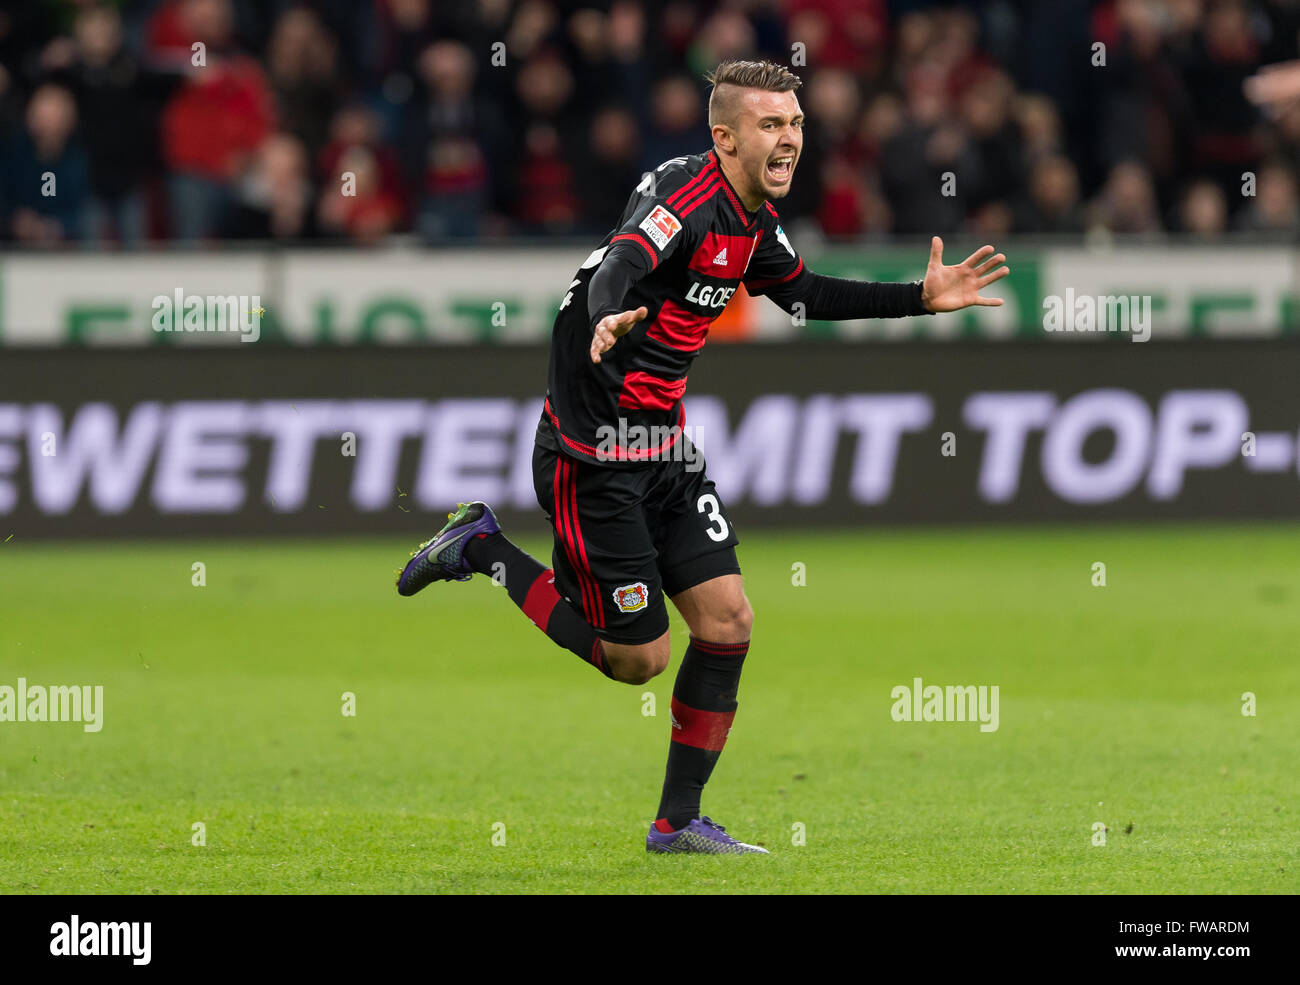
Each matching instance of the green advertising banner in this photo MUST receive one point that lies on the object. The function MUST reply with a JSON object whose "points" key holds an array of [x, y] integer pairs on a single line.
{"points": [[510, 296]]}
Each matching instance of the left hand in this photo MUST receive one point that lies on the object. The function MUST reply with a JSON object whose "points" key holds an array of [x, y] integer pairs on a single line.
{"points": [[956, 287]]}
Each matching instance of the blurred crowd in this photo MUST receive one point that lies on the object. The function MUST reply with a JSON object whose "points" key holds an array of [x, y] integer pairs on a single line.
{"points": [[352, 120]]}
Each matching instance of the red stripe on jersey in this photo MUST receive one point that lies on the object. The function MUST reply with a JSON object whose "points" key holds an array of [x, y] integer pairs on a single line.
{"points": [[541, 599], [734, 260], [640, 241], [591, 595], [692, 186], [701, 729], [759, 284], [708, 193], [597, 615], [706, 177], [644, 391], [562, 513], [678, 328], [772, 210], [566, 509], [689, 189], [621, 454]]}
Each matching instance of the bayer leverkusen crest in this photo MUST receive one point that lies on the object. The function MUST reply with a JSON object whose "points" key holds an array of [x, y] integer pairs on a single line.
{"points": [[631, 598]]}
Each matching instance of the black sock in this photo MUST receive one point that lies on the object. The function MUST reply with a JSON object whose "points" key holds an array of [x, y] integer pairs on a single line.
{"points": [[703, 707], [531, 586]]}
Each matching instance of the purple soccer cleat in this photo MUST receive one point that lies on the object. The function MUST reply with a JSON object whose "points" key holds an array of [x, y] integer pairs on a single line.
{"points": [[702, 836], [443, 557]]}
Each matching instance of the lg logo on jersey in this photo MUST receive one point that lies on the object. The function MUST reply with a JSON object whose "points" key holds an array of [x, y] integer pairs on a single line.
{"points": [[709, 297]]}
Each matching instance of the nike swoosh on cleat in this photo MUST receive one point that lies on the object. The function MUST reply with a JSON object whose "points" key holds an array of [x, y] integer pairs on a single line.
{"points": [[448, 543]]}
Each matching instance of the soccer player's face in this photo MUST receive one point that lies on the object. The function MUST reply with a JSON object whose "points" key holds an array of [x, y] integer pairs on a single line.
{"points": [[770, 140]]}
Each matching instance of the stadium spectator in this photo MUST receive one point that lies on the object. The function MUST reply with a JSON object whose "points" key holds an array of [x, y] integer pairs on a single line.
{"points": [[117, 113], [534, 23], [1203, 211], [1145, 113], [1051, 204], [46, 173], [1127, 203], [724, 34], [547, 194], [846, 201], [457, 138], [302, 59], [213, 124], [833, 100], [1040, 127], [881, 121], [379, 202], [372, 210], [273, 198], [995, 141], [678, 123], [1224, 56], [1274, 210], [402, 30], [955, 48], [847, 34], [833, 183], [610, 167], [928, 169]]}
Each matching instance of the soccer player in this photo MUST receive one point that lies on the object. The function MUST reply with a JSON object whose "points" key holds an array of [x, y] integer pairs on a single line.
{"points": [[638, 520]]}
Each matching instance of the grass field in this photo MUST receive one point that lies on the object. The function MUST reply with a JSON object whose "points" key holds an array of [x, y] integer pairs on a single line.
{"points": [[222, 705]]}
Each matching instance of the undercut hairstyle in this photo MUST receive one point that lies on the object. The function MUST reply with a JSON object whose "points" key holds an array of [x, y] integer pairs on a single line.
{"points": [[734, 76]]}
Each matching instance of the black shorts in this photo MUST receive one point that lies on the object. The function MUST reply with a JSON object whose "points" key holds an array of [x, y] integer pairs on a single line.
{"points": [[624, 538]]}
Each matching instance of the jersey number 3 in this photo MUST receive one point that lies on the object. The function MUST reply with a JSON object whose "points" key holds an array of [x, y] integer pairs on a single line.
{"points": [[708, 504]]}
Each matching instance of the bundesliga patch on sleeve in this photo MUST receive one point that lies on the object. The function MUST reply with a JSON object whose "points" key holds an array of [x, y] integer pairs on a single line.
{"points": [[661, 226]]}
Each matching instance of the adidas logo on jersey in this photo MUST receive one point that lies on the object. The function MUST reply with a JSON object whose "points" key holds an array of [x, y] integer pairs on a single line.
{"points": [[721, 259]]}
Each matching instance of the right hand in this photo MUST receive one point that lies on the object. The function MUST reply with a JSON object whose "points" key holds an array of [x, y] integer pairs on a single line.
{"points": [[613, 327]]}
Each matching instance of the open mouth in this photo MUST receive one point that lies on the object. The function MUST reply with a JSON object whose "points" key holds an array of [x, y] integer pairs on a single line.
{"points": [[779, 169]]}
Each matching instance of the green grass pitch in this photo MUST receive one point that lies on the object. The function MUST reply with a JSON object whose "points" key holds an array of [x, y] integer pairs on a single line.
{"points": [[223, 705]]}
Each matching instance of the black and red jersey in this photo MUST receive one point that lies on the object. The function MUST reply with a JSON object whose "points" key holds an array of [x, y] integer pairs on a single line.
{"points": [[692, 244]]}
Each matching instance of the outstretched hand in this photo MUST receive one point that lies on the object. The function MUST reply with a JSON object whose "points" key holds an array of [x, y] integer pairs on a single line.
{"points": [[956, 287], [611, 328]]}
